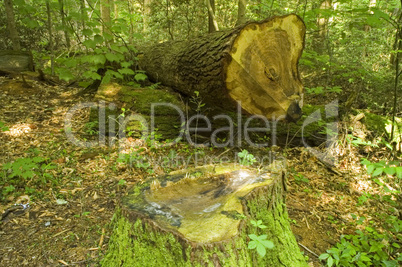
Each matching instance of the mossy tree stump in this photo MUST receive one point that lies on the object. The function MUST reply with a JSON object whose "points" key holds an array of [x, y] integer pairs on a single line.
{"points": [[255, 64], [201, 217]]}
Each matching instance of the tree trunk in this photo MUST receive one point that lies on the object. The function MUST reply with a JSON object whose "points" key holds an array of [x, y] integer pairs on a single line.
{"points": [[106, 19], [50, 31], [255, 64], [212, 24], [16, 61], [201, 217], [241, 12], [84, 15], [147, 15], [63, 23], [12, 29]]}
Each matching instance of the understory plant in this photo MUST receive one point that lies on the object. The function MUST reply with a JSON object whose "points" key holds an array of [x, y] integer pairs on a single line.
{"points": [[374, 246], [25, 173], [259, 242]]}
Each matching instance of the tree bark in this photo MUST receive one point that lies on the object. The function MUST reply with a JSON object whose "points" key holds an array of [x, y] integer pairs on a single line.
{"points": [[16, 61], [241, 12], [147, 14], [64, 24], [50, 31], [212, 23], [255, 64], [12, 29], [189, 219], [106, 19]]}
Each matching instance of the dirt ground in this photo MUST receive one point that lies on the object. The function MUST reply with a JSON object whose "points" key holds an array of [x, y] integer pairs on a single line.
{"points": [[66, 222]]}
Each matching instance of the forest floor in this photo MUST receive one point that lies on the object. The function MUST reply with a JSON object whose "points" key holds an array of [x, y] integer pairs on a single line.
{"points": [[73, 191]]}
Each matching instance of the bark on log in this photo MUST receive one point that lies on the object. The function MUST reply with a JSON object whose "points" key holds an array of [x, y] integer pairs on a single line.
{"points": [[255, 64], [189, 219]]}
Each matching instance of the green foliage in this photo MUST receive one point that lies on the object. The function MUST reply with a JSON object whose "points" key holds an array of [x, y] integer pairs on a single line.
{"points": [[91, 127], [300, 178], [372, 247], [17, 174], [258, 224], [245, 158], [3, 127], [136, 160], [356, 141], [260, 242], [323, 90], [382, 167], [366, 248]]}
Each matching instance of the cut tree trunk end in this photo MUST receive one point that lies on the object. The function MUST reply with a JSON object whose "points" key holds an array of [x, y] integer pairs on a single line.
{"points": [[201, 217], [255, 64]]}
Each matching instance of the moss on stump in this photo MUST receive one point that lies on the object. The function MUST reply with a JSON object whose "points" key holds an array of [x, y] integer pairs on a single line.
{"points": [[140, 238]]}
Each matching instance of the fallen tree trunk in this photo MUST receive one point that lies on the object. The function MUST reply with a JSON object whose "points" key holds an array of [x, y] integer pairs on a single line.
{"points": [[15, 61], [201, 217], [254, 64]]}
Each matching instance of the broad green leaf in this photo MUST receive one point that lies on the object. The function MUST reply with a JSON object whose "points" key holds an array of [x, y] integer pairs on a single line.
{"points": [[390, 170], [253, 237], [126, 64], [140, 77], [126, 71], [261, 250], [116, 74], [98, 39], [378, 171], [89, 44], [92, 75], [330, 261], [87, 32], [112, 57], [65, 74], [323, 256], [268, 244], [98, 59], [399, 172], [252, 244], [370, 169]]}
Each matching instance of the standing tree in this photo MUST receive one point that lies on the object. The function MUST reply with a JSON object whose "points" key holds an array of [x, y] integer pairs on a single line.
{"points": [[63, 23], [12, 29], [106, 19], [241, 12], [212, 24], [49, 28]]}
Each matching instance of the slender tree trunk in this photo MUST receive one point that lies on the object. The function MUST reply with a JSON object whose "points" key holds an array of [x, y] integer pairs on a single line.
{"points": [[106, 19], [212, 24], [83, 13], [63, 22], [241, 12], [147, 14], [131, 29], [49, 29], [115, 9], [398, 41], [169, 18], [12, 29]]}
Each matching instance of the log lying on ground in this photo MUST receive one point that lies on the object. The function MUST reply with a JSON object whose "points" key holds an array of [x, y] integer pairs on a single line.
{"points": [[201, 217], [15, 61], [255, 64]]}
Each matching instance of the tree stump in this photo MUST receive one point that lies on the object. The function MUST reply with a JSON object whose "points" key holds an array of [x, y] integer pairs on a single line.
{"points": [[255, 64], [201, 217]]}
